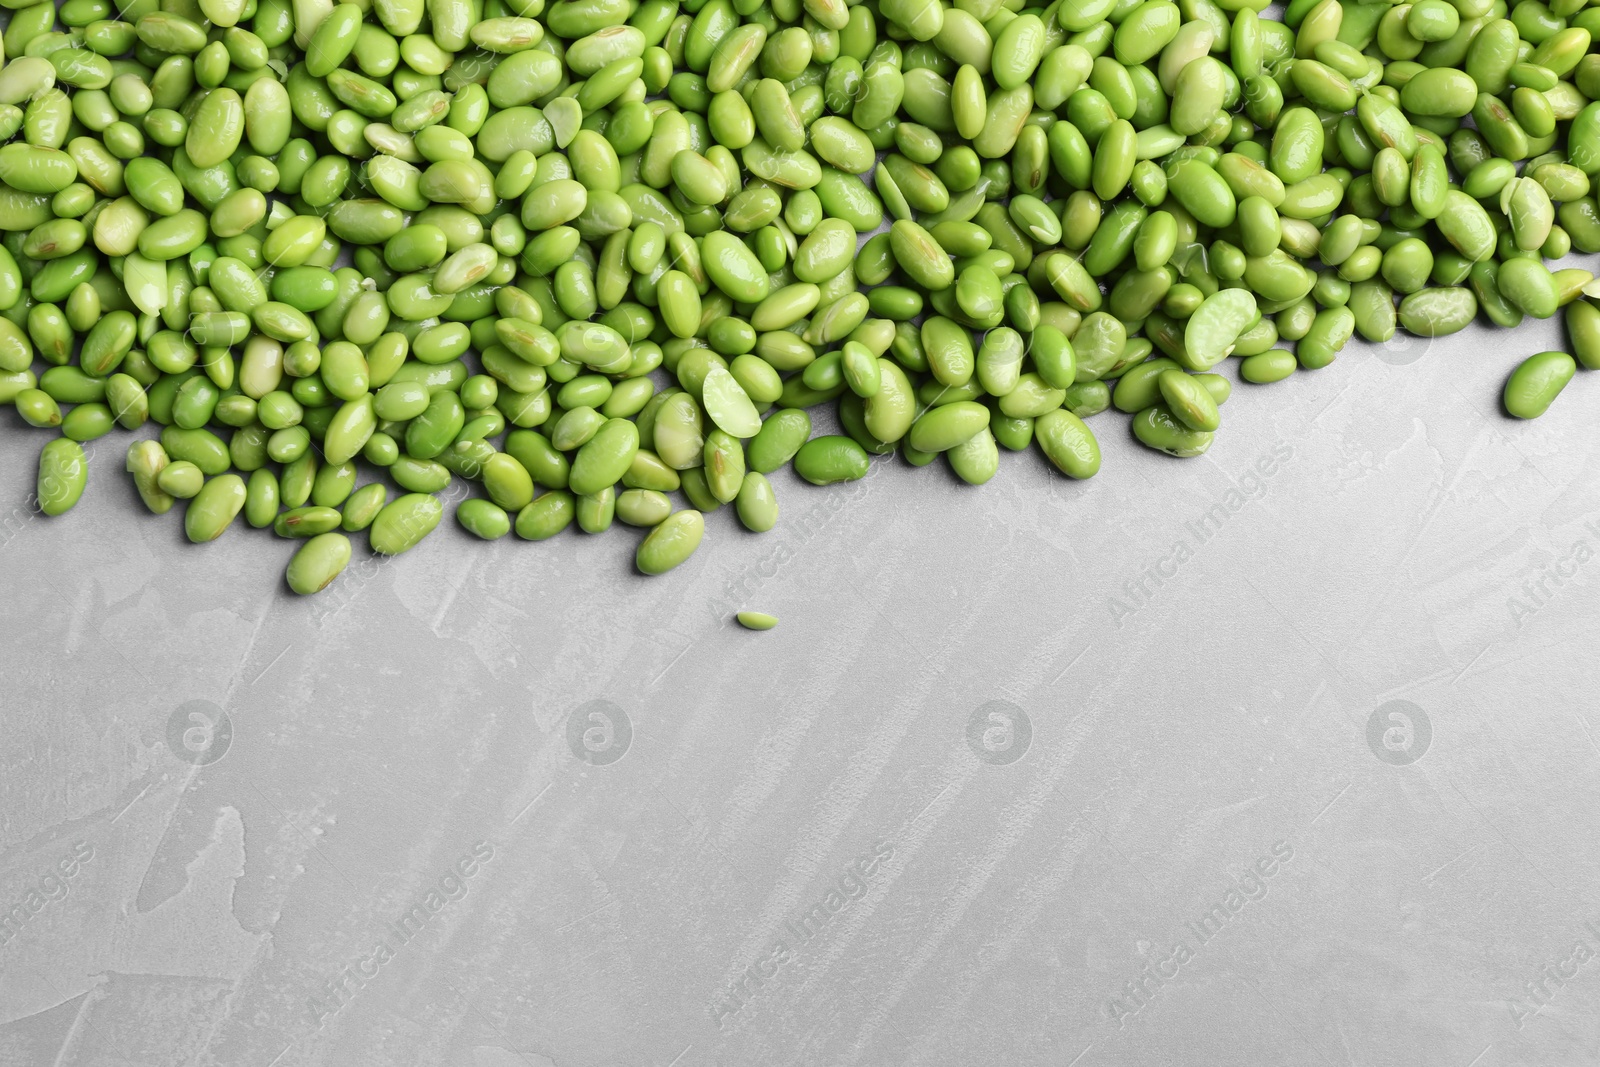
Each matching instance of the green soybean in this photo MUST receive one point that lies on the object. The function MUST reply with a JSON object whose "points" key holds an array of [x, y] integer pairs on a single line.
{"points": [[1536, 382]]}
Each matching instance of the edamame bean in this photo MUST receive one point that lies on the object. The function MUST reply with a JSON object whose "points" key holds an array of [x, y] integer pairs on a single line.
{"points": [[404, 522], [1068, 443], [671, 543], [829, 459], [63, 473], [1536, 382], [318, 562], [1157, 428], [214, 507]]}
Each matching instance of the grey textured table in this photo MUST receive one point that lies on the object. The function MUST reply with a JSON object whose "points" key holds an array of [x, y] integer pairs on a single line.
{"points": [[1284, 755]]}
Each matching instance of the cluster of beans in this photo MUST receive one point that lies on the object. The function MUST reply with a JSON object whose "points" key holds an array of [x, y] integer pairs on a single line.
{"points": [[552, 208]]}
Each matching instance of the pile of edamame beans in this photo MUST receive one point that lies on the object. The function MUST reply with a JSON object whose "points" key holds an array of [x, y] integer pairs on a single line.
{"points": [[600, 252]]}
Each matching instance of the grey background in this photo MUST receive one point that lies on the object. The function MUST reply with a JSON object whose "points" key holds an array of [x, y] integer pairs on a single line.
{"points": [[1062, 786]]}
